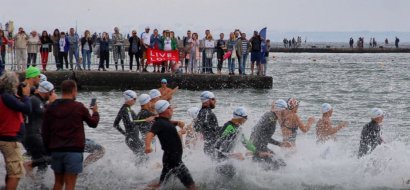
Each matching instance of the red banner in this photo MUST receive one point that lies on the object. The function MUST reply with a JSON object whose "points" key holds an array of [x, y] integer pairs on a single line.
{"points": [[157, 56]]}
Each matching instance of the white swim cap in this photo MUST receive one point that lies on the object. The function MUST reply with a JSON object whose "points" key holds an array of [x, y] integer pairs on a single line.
{"points": [[43, 77], [280, 105], [326, 107], [154, 93], [240, 112], [129, 95], [45, 87], [206, 95], [144, 99], [161, 106], [193, 112], [376, 112]]}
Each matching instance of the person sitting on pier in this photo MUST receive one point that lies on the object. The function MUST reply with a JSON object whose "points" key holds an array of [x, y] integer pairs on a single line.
{"points": [[324, 129]]}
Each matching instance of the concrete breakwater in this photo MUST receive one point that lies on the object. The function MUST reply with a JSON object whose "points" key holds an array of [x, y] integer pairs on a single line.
{"points": [[95, 80], [313, 49]]}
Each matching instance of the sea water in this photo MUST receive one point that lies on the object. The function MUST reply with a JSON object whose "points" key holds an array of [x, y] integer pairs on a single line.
{"points": [[351, 83]]}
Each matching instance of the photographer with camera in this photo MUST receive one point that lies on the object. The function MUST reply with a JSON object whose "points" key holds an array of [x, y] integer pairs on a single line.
{"points": [[11, 110]]}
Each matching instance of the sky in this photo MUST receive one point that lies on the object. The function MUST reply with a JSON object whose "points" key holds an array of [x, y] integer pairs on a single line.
{"points": [[280, 16]]}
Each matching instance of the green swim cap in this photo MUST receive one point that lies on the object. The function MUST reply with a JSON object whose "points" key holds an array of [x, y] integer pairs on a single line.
{"points": [[32, 72]]}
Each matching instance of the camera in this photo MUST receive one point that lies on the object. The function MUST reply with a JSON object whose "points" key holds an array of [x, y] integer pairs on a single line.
{"points": [[20, 89]]}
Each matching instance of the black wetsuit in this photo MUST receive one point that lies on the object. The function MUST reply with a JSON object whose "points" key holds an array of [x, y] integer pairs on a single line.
{"points": [[172, 146], [207, 125], [261, 136], [127, 115], [224, 146], [144, 127], [32, 138], [370, 138]]}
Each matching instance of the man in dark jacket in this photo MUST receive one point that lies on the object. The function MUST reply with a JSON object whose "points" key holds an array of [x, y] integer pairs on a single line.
{"points": [[256, 42], [371, 133], [134, 49], [63, 134], [207, 123]]}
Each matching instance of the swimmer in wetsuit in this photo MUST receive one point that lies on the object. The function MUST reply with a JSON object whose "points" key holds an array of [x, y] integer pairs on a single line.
{"points": [[145, 114], [226, 143], [129, 118], [371, 133], [324, 129], [290, 122], [261, 136], [171, 144]]}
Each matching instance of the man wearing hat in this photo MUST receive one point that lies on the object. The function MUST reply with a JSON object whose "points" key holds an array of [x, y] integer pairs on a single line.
{"points": [[131, 132], [171, 145], [324, 129], [33, 77], [371, 133], [207, 123], [262, 134], [33, 140], [227, 139], [166, 93]]}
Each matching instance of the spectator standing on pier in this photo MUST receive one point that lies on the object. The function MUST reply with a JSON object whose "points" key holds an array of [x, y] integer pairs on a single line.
{"points": [[118, 48], [245, 46], [156, 44], [351, 42], [386, 41], [230, 45], [56, 38], [193, 54], [104, 51], [146, 42], [74, 41], [256, 47], [134, 49], [20, 44], [3, 43], [202, 46], [46, 45], [86, 49], [220, 51], [33, 45], [64, 47], [209, 45], [396, 43], [187, 49]]}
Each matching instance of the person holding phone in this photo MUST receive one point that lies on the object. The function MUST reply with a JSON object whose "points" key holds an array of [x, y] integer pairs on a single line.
{"points": [[64, 137]]}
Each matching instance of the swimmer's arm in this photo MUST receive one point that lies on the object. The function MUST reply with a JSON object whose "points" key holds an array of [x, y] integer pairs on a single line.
{"points": [[117, 123], [304, 128], [274, 142], [148, 140]]}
